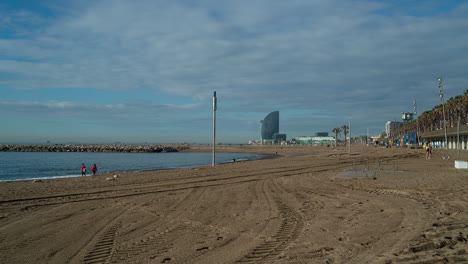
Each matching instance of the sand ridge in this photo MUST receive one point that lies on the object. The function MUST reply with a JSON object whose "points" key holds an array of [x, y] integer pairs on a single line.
{"points": [[292, 209]]}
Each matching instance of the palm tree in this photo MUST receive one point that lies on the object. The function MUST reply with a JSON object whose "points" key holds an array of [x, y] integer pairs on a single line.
{"points": [[345, 131], [455, 108], [337, 131]]}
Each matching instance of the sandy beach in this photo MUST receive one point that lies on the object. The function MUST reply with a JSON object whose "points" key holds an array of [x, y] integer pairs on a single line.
{"points": [[306, 205]]}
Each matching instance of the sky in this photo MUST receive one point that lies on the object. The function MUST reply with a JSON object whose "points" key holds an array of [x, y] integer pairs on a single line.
{"points": [[144, 71]]}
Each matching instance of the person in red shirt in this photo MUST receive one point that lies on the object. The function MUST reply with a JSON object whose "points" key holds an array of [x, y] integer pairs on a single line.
{"points": [[94, 169], [83, 170]]}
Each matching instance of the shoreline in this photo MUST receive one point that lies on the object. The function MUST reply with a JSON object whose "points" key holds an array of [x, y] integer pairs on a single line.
{"points": [[261, 156]]}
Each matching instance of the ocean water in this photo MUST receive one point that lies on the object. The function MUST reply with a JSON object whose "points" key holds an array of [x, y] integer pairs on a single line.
{"points": [[45, 165]]}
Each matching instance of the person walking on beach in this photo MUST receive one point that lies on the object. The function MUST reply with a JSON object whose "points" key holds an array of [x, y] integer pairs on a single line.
{"points": [[94, 169], [428, 150], [83, 169]]}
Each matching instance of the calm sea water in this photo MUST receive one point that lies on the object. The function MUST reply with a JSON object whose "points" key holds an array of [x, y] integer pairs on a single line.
{"points": [[45, 165]]}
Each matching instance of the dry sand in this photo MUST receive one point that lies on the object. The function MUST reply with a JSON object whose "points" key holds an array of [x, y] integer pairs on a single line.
{"points": [[303, 207]]}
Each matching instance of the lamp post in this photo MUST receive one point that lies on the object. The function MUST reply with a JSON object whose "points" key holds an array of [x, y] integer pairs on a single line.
{"points": [[367, 138], [441, 94], [415, 108], [215, 107], [349, 141]]}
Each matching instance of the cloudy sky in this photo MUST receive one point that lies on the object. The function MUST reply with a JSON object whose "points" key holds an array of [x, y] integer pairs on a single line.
{"points": [[145, 71]]}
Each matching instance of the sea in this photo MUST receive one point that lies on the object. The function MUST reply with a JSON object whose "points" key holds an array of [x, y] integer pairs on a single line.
{"points": [[17, 166]]}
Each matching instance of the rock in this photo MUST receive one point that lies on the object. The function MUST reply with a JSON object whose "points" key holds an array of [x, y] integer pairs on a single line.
{"points": [[93, 148]]}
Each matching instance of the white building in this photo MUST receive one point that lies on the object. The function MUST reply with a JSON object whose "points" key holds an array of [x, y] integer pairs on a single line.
{"points": [[391, 126], [314, 140]]}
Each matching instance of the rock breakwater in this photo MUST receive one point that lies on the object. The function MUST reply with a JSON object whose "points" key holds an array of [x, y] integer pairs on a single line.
{"points": [[93, 148]]}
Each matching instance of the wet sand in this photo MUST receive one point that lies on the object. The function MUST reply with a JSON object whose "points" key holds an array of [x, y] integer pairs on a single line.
{"points": [[308, 205]]}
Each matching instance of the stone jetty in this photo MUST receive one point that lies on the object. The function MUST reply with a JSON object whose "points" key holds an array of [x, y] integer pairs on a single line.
{"points": [[93, 148]]}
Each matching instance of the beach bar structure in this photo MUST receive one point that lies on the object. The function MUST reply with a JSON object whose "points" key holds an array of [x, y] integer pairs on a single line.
{"points": [[454, 135]]}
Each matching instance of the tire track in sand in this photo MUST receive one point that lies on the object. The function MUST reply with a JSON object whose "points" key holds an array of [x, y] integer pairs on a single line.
{"points": [[102, 251], [409, 217], [290, 228], [231, 245], [445, 233], [157, 241], [130, 191]]}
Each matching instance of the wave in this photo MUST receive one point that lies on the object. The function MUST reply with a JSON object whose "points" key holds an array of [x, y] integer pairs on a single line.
{"points": [[41, 178]]}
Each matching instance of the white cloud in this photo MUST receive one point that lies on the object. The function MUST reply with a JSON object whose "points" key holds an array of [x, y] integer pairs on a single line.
{"points": [[113, 112]]}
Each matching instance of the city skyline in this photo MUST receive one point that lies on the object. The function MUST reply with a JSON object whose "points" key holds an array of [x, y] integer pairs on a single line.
{"points": [[144, 71]]}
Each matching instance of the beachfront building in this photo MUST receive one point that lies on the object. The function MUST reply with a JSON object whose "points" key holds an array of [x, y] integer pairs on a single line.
{"points": [[377, 139], [454, 136], [312, 140], [407, 117], [430, 126], [391, 127], [270, 127], [279, 138]]}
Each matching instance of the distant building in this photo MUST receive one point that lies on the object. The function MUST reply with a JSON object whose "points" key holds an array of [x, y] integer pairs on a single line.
{"points": [[321, 134], [391, 126], [270, 129], [376, 139], [407, 117], [278, 138], [270, 126], [314, 140]]}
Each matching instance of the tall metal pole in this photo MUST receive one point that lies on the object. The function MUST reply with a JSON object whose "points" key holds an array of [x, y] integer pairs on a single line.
{"points": [[417, 121], [458, 137], [367, 138], [213, 162], [349, 142], [441, 94]]}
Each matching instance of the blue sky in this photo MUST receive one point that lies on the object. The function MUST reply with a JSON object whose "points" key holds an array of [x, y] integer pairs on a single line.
{"points": [[145, 71]]}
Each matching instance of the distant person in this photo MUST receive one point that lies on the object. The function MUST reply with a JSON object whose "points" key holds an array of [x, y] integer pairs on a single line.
{"points": [[428, 150], [94, 169], [83, 170]]}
